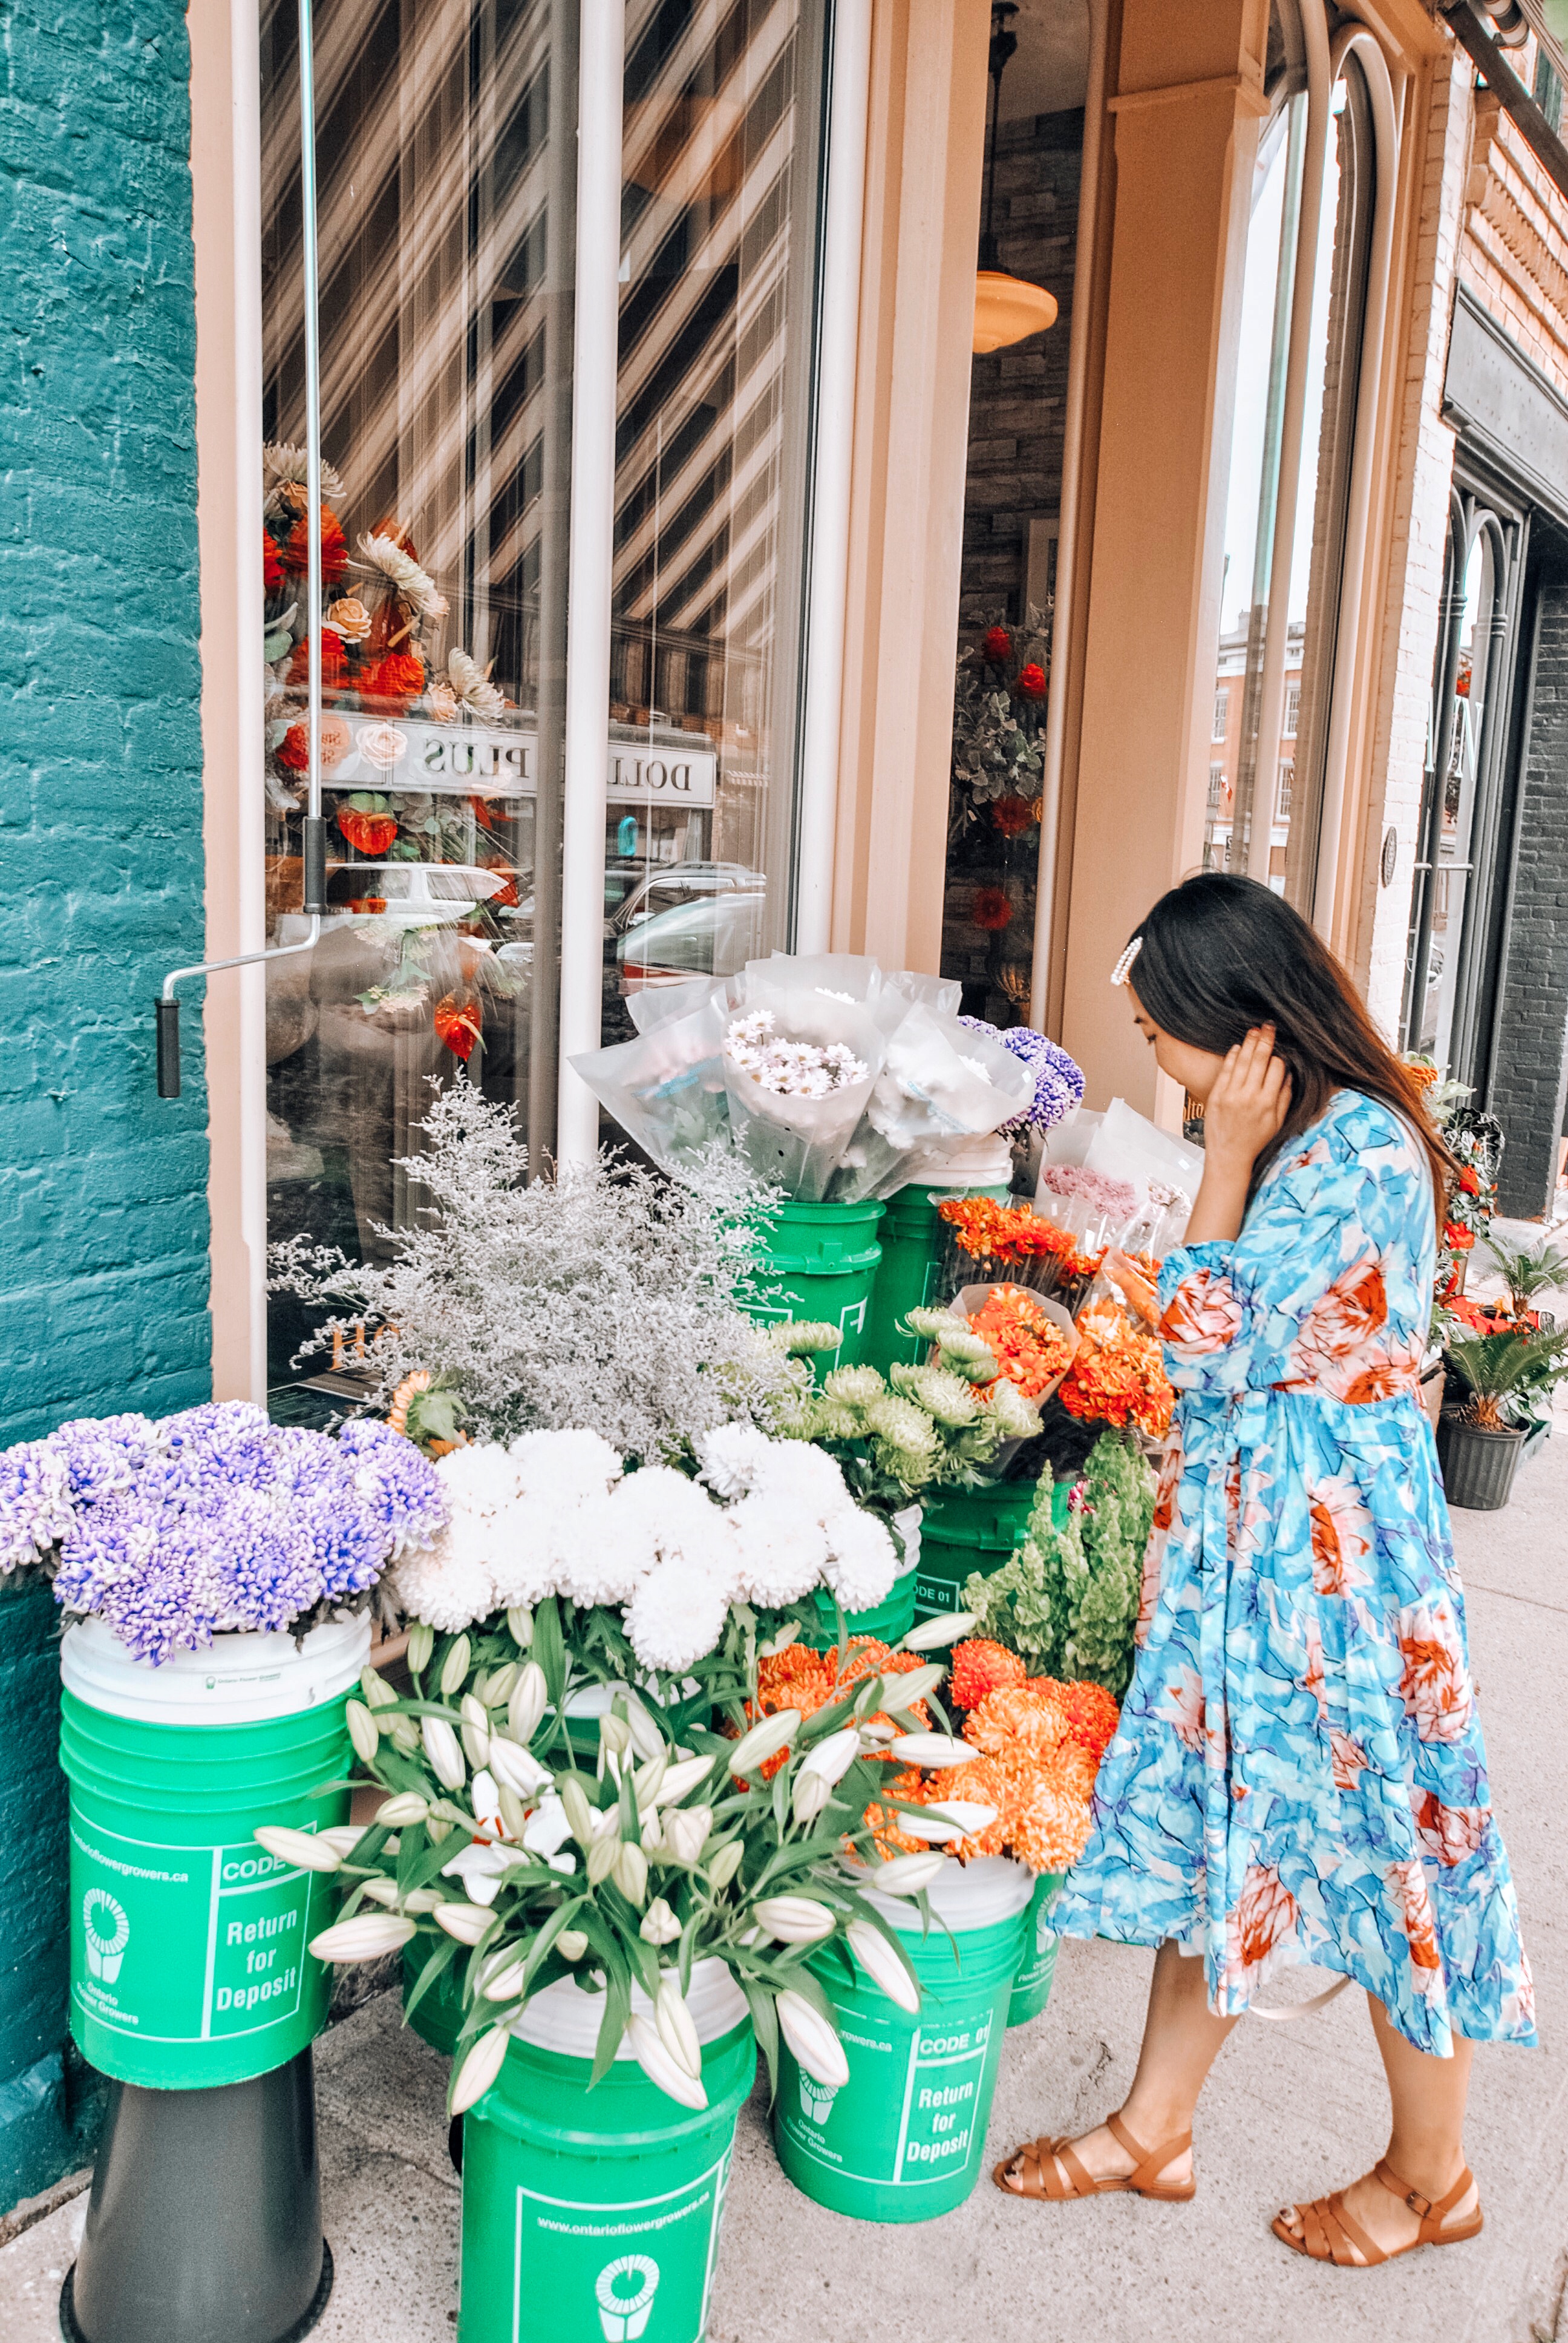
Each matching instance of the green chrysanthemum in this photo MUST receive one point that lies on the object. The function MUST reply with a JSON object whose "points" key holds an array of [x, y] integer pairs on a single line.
{"points": [[947, 1397], [854, 1385]]}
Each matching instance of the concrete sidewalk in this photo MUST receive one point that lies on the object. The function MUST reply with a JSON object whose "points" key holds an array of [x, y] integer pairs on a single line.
{"points": [[1291, 2111]]}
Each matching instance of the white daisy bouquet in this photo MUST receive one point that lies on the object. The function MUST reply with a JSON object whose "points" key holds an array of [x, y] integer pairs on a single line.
{"points": [[506, 1865]]}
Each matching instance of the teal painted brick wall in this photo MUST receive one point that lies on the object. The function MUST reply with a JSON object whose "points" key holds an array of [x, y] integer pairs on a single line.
{"points": [[102, 1206]]}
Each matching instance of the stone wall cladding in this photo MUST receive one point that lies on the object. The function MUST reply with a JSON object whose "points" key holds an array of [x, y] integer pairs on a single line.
{"points": [[103, 1205], [1530, 1071]]}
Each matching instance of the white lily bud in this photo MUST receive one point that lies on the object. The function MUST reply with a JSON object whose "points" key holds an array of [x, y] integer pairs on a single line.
{"points": [[571, 1944], [875, 1732], [521, 1625], [441, 1749], [613, 1732], [465, 1923], [579, 1813], [303, 1850], [645, 1785], [646, 1738], [378, 1692], [399, 1812], [368, 1937], [795, 1919], [600, 1860], [421, 1644], [631, 1871], [726, 1863], [679, 1778], [659, 1925], [404, 1732], [454, 1667], [439, 1828], [778, 1643], [815, 2045], [479, 2069], [422, 1901], [948, 1627], [345, 1837], [686, 1833], [882, 1964], [900, 1693], [676, 2027], [504, 1982], [476, 1732], [650, 1837], [958, 1818], [382, 1891], [499, 1682], [362, 1730], [907, 1875], [764, 1741], [514, 1812], [833, 1758], [660, 2067], [811, 1795], [526, 1704], [936, 1750]]}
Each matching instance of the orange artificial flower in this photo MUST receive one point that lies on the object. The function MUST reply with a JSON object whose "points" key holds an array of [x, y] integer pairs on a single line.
{"points": [[389, 684], [333, 547], [990, 909], [1013, 816]]}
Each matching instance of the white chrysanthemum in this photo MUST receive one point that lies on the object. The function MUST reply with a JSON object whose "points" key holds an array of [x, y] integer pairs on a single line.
{"points": [[864, 1560], [731, 1456], [473, 685], [797, 1475], [676, 1616], [664, 1504], [564, 1466], [449, 1584], [404, 575], [478, 1480], [528, 1546], [604, 1557], [783, 1552]]}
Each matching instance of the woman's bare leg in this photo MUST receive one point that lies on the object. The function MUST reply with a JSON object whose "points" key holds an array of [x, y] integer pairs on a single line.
{"points": [[1426, 2144], [1182, 2040]]}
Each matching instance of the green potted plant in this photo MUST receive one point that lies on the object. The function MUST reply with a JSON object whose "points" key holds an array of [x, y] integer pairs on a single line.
{"points": [[1510, 1376]]}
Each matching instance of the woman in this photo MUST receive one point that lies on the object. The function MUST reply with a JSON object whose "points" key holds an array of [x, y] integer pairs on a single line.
{"points": [[1298, 1772]]}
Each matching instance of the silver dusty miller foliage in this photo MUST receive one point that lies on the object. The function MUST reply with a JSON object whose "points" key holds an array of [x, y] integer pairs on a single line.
{"points": [[602, 1295]]}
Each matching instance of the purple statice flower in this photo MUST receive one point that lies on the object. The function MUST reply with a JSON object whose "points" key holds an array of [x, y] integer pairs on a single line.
{"points": [[104, 1453], [401, 1487], [34, 1503], [1103, 1194], [1057, 1078]]}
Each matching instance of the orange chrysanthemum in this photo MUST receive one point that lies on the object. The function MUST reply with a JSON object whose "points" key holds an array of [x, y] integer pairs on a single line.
{"points": [[1048, 1818], [1118, 1374], [389, 684], [1091, 1715], [1016, 1716], [800, 1677], [1030, 1347], [333, 547], [980, 1666]]}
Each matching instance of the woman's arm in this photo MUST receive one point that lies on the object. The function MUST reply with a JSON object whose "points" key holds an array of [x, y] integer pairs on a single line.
{"points": [[1249, 1101]]}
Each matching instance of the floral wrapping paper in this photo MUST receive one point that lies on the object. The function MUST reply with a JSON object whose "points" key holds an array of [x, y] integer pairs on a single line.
{"points": [[1298, 1772]]}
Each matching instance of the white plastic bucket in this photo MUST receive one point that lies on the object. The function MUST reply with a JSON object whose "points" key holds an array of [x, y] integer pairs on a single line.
{"points": [[239, 1679]]}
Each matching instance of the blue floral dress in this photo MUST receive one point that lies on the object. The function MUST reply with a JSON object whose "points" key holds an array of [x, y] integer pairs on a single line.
{"points": [[1298, 1772]]}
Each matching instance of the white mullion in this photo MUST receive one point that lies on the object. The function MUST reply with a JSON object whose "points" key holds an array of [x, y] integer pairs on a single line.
{"points": [[600, 81]]}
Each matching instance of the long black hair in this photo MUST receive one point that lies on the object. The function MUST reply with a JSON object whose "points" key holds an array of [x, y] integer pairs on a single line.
{"points": [[1220, 954]]}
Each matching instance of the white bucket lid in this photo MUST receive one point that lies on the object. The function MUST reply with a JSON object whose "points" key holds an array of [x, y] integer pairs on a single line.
{"points": [[977, 1895], [238, 1680], [565, 2019]]}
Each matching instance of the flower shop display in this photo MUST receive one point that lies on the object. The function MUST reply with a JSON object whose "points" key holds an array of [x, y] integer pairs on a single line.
{"points": [[1118, 1374], [217, 1572], [1510, 1376], [631, 1918], [1015, 1243], [1000, 695]]}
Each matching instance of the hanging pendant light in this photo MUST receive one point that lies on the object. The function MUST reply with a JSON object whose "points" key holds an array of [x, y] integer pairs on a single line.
{"points": [[1007, 308]]}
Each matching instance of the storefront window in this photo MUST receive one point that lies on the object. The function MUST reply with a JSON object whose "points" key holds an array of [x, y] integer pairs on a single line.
{"points": [[445, 140], [1285, 532]]}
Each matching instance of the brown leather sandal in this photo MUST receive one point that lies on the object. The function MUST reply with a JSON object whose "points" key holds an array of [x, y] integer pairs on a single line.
{"points": [[1039, 2178], [1330, 2233]]}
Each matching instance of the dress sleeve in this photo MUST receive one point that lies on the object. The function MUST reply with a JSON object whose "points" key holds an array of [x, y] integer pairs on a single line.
{"points": [[1299, 1299]]}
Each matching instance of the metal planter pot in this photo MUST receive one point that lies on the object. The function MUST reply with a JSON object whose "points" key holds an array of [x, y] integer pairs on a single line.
{"points": [[1478, 1465]]}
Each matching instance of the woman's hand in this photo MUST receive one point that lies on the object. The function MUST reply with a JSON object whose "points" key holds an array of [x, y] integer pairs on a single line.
{"points": [[1243, 1112], [1248, 1104]]}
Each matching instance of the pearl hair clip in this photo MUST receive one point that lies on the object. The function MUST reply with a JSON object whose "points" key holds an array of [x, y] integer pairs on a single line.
{"points": [[1123, 969]]}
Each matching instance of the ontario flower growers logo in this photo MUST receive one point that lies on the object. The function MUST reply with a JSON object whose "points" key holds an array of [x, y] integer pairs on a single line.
{"points": [[107, 1932], [624, 2290]]}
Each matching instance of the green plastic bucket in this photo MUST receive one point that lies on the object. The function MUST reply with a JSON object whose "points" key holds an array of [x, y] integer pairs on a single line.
{"points": [[188, 1960], [910, 1276], [1037, 1964], [818, 1262], [888, 1621], [904, 2138], [966, 1530], [593, 2216], [438, 2017]]}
